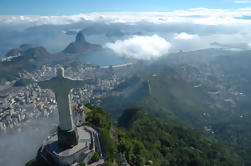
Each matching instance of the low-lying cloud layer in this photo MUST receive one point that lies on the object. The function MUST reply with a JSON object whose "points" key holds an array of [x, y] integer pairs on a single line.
{"points": [[185, 36], [141, 47], [187, 30], [203, 16], [18, 148]]}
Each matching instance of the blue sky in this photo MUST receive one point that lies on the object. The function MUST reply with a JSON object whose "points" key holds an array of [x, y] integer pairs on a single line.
{"points": [[69, 7]]}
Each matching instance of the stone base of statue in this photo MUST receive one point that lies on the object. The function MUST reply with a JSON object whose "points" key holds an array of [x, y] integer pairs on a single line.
{"points": [[52, 153], [67, 138]]}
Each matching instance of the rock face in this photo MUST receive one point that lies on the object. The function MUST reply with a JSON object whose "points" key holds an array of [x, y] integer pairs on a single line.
{"points": [[80, 45], [80, 37], [13, 53]]}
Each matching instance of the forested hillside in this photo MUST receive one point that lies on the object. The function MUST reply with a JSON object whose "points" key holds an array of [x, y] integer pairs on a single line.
{"points": [[144, 140]]}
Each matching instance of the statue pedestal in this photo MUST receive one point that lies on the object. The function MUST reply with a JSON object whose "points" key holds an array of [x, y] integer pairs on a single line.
{"points": [[52, 154], [67, 138]]}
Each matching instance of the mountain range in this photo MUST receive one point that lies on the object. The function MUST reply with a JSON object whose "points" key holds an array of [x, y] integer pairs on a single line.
{"points": [[29, 58]]}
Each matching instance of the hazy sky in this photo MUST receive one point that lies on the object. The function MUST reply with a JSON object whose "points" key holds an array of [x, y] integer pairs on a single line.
{"points": [[69, 7]]}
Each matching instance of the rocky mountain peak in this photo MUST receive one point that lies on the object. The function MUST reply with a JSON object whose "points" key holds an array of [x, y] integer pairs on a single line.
{"points": [[80, 37]]}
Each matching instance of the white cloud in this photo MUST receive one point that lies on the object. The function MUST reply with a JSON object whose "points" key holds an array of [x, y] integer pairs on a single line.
{"points": [[249, 45], [185, 36], [242, 1], [203, 16], [141, 47]]}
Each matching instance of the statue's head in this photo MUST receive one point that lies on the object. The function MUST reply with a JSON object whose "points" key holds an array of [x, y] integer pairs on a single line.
{"points": [[60, 72]]}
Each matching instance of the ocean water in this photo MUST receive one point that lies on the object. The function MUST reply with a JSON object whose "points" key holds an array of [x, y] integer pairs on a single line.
{"points": [[103, 57]]}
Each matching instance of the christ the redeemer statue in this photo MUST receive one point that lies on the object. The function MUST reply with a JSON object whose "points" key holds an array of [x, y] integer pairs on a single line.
{"points": [[62, 87]]}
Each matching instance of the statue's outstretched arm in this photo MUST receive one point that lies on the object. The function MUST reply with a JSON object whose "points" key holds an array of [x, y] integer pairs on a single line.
{"points": [[45, 84]]}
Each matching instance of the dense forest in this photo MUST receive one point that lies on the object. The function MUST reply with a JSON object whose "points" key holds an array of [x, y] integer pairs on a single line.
{"points": [[144, 140]]}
